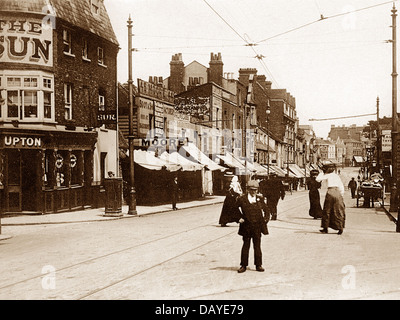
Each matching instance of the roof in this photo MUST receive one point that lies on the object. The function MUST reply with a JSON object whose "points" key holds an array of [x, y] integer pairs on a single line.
{"points": [[76, 12]]}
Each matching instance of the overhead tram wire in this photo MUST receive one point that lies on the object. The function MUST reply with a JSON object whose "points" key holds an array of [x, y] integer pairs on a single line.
{"points": [[324, 18], [248, 43], [347, 117]]}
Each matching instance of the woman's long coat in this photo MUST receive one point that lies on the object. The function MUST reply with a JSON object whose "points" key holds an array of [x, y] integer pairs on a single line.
{"points": [[230, 211], [315, 200]]}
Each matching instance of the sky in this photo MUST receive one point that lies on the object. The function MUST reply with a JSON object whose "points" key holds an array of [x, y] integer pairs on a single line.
{"points": [[335, 67]]}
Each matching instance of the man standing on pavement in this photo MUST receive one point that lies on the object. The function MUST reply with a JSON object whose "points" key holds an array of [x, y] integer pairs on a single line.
{"points": [[353, 187], [253, 223], [273, 189], [174, 193], [333, 212]]}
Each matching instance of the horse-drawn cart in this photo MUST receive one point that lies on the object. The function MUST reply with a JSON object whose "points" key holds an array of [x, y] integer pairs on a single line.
{"points": [[370, 194]]}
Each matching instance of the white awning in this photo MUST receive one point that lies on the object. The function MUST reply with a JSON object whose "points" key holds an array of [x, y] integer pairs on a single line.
{"points": [[298, 172], [200, 157], [178, 159], [231, 161], [149, 161]]}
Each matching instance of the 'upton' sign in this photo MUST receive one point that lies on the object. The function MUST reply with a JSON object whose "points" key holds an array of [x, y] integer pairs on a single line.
{"points": [[22, 142]]}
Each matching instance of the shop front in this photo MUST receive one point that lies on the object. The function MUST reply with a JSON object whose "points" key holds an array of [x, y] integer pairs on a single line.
{"points": [[45, 171]]}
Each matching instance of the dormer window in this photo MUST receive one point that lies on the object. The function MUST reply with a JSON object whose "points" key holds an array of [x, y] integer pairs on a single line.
{"points": [[95, 6]]}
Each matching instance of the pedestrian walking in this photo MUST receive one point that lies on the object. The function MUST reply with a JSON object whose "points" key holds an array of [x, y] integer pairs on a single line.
{"points": [[315, 210], [253, 223], [273, 189], [174, 193], [230, 211], [333, 212], [353, 187]]}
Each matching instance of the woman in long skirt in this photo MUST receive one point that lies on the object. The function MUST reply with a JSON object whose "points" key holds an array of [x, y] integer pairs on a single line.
{"points": [[230, 210], [314, 197]]}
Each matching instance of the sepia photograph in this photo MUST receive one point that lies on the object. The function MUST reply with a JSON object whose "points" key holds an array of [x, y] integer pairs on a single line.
{"points": [[197, 156]]}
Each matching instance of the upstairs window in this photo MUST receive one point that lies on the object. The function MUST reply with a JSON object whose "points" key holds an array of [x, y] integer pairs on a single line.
{"points": [[102, 101], [67, 41], [100, 56], [68, 101], [27, 98], [85, 49]]}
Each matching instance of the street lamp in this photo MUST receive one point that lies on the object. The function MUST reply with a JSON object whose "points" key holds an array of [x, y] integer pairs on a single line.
{"points": [[132, 191], [268, 111]]}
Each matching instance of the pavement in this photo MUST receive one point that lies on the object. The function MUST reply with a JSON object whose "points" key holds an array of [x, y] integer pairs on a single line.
{"points": [[98, 214]]}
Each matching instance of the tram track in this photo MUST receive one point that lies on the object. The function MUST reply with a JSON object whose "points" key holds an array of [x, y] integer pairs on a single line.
{"points": [[106, 255], [82, 268]]}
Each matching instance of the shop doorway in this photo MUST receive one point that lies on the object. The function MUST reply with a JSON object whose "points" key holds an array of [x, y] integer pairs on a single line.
{"points": [[22, 180]]}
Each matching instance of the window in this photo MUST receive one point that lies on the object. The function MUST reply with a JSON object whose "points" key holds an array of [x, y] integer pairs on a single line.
{"points": [[27, 97], [47, 97], [67, 41], [85, 50], [95, 6], [100, 56], [102, 104], [68, 101]]}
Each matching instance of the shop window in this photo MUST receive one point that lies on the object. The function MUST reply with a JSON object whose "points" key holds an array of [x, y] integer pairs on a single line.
{"points": [[68, 101], [61, 168], [76, 174]]}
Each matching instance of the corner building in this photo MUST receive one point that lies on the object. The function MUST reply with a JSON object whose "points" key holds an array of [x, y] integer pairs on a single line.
{"points": [[58, 130]]}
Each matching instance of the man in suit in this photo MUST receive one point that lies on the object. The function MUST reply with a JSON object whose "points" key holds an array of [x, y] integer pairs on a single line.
{"points": [[273, 189], [253, 223], [174, 194]]}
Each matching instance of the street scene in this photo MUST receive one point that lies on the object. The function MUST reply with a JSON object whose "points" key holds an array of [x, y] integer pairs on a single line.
{"points": [[200, 150], [186, 254]]}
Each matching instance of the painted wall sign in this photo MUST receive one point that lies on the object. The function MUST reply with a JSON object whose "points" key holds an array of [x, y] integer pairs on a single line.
{"points": [[22, 142], [107, 117], [24, 40]]}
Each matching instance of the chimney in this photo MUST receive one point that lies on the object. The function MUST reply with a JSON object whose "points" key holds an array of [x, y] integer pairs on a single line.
{"points": [[177, 69], [216, 69], [245, 73]]}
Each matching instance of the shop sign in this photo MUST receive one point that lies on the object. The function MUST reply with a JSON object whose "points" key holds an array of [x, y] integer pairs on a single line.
{"points": [[25, 41], [107, 117], [22, 142], [163, 142]]}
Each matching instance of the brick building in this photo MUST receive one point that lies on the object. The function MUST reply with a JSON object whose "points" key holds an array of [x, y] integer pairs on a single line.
{"points": [[215, 104], [58, 104]]}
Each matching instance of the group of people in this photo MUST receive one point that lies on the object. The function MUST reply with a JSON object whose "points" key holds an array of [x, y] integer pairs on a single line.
{"points": [[253, 210]]}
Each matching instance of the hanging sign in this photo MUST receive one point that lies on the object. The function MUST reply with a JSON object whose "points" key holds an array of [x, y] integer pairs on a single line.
{"points": [[106, 117]]}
